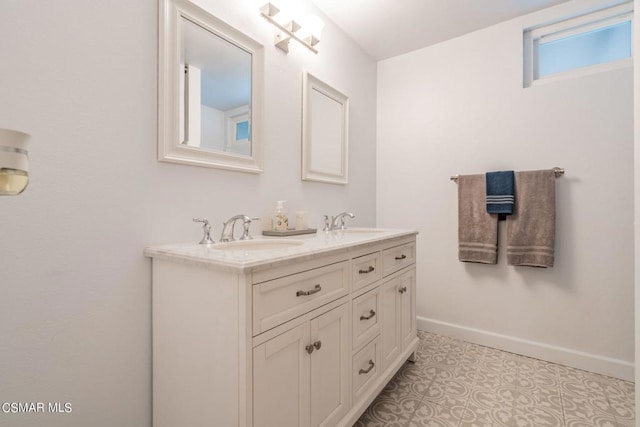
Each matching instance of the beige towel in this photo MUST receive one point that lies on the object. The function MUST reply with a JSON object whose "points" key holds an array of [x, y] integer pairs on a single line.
{"points": [[477, 230], [532, 227]]}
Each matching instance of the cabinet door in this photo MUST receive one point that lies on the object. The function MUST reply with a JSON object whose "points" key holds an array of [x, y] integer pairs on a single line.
{"points": [[281, 380], [390, 334], [408, 308], [330, 380]]}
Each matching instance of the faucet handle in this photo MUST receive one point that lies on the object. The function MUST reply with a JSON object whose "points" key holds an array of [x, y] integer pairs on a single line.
{"points": [[206, 227], [326, 227], [245, 228]]}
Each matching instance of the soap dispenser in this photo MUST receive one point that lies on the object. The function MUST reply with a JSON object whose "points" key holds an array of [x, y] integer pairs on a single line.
{"points": [[280, 220]]}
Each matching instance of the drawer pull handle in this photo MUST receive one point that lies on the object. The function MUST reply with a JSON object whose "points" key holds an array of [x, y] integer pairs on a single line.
{"points": [[366, 371], [368, 270], [309, 348], [371, 314], [317, 288], [317, 344], [402, 290], [401, 257]]}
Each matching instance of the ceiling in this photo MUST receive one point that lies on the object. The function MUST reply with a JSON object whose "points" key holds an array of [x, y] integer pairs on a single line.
{"points": [[387, 28]]}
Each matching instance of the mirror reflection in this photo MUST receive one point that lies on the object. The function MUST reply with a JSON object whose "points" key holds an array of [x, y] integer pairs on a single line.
{"points": [[215, 92], [210, 85], [325, 132]]}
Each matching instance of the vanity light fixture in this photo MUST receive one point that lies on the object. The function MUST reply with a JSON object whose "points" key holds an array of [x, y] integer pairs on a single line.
{"points": [[14, 162], [306, 30]]}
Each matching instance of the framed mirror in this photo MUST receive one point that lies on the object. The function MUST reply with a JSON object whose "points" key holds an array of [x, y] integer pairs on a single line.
{"points": [[325, 132], [209, 91]]}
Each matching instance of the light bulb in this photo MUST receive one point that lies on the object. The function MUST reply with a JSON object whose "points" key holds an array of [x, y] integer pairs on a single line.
{"points": [[312, 25]]}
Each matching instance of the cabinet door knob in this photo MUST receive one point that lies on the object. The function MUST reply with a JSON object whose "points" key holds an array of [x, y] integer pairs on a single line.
{"points": [[402, 290], [317, 288], [371, 314], [368, 270], [401, 257], [366, 371], [309, 348], [317, 344]]}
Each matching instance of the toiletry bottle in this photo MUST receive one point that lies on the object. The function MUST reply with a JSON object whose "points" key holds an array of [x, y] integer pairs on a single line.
{"points": [[280, 220], [301, 220]]}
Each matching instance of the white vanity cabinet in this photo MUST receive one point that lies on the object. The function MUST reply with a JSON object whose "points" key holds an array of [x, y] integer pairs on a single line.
{"points": [[301, 377], [398, 314], [305, 336]]}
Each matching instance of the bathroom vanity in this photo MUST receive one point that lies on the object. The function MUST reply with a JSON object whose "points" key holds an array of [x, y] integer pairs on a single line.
{"points": [[280, 332]]}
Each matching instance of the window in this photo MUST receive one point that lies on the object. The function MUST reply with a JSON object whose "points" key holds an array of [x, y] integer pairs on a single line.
{"points": [[589, 43], [242, 130]]}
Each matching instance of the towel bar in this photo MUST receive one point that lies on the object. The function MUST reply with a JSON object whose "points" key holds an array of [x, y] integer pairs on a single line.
{"points": [[558, 172]]}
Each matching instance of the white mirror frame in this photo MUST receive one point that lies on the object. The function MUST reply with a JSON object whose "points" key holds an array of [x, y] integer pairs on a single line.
{"points": [[169, 147], [312, 169]]}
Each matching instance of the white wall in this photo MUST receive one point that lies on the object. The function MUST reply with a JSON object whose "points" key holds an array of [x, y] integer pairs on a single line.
{"points": [[75, 289], [459, 108], [214, 127], [636, 115]]}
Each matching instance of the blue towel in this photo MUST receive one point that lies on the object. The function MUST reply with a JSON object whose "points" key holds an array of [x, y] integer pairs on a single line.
{"points": [[500, 192]]}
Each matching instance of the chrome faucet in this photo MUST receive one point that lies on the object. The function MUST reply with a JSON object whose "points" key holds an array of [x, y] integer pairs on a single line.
{"points": [[229, 225], [206, 228], [340, 217]]}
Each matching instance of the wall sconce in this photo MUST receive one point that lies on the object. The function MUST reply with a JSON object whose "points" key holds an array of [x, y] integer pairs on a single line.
{"points": [[305, 29], [14, 162]]}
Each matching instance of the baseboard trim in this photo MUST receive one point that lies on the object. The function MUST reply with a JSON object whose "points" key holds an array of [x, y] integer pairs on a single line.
{"points": [[576, 359]]}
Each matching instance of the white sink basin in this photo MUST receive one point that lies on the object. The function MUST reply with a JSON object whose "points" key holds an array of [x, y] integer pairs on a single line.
{"points": [[257, 245]]}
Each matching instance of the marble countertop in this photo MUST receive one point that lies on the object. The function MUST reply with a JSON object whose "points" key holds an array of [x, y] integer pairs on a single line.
{"points": [[258, 252]]}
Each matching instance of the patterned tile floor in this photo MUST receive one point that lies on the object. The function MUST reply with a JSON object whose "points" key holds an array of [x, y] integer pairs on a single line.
{"points": [[459, 384]]}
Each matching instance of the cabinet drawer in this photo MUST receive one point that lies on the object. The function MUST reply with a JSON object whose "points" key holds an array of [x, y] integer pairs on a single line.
{"points": [[393, 259], [365, 370], [282, 299], [366, 269], [365, 317]]}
